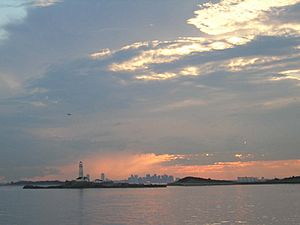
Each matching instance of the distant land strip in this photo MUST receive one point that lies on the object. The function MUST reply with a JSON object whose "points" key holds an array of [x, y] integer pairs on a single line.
{"points": [[186, 181]]}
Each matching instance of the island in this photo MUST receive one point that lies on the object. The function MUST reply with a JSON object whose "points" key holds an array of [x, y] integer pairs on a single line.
{"points": [[197, 181], [87, 184]]}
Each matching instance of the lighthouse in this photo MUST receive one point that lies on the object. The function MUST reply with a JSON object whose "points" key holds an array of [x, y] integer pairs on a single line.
{"points": [[81, 177], [80, 170]]}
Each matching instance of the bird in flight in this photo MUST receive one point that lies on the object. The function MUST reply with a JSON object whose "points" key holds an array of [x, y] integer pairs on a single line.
{"points": [[69, 114]]}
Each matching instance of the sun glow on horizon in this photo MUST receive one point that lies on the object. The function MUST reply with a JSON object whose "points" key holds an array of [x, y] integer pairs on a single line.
{"points": [[120, 166]]}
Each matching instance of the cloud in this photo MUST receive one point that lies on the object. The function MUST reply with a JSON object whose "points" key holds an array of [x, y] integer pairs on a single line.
{"points": [[10, 85], [280, 102], [234, 24], [147, 55], [156, 76], [15, 11], [244, 19], [288, 75], [30, 173], [38, 104], [256, 62], [103, 53], [45, 3], [182, 104], [11, 13]]}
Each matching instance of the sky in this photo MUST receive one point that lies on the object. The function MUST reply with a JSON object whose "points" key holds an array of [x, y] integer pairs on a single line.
{"points": [[194, 87]]}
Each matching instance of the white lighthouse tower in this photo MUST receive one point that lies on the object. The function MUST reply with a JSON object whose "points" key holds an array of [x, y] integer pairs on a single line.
{"points": [[80, 170], [81, 177]]}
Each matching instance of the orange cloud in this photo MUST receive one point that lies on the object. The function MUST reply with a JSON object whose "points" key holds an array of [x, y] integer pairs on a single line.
{"points": [[121, 165]]}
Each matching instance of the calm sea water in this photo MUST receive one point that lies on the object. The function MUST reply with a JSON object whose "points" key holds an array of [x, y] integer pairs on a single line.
{"points": [[266, 204]]}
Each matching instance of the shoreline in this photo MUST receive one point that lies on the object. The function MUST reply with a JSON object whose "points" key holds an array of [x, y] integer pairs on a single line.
{"points": [[94, 186], [89, 185]]}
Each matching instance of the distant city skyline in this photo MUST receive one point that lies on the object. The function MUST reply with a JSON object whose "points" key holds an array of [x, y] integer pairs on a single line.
{"points": [[135, 179], [194, 87]]}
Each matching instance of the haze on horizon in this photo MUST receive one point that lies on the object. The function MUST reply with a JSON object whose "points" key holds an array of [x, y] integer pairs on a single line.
{"points": [[194, 87]]}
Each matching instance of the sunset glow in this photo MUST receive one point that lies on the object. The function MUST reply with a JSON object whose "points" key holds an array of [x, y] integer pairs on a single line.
{"points": [[120, 166], [174, 112]]}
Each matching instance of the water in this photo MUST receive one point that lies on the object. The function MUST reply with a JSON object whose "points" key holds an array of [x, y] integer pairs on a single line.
{"points": [[266, 204]]}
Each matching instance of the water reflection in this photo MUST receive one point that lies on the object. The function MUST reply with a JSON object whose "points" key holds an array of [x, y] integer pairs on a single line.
{"points": [[80, 206]]}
